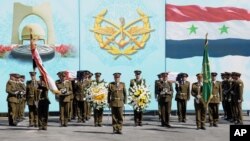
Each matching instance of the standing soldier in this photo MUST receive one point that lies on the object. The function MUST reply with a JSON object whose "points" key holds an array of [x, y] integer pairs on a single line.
{"points": [[223, 87], [89, 108], [98, 113], [138, 81], [157, 93], [199, 103], [21, 98], [80, 94], [74, 102], [117, 97], [65, 88], [213, 106], [43, 105], [32, 97], [237, 98], [227, 89], [182, 88], [12, 91], [166, 95]]}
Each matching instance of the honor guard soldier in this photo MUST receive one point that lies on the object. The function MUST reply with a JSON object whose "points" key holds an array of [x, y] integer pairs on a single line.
{"points": [[213, 106], [182, 88], [199, 103], [223, 101], [21, 98], [157, 93], [43, 104], [89, 107], [117, 97], [98, 113], [12, 91], [237, 98], [65, 88], [138, 81], [80, 94], [226, 90], [166, 95], [32, 99]]}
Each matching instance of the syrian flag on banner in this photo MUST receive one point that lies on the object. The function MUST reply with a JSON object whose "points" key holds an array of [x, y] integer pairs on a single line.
{"points": [[37, 62], [228, 29]]}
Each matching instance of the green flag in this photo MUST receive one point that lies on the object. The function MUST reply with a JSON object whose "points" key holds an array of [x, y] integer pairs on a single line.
{"points": [[207, 81]]}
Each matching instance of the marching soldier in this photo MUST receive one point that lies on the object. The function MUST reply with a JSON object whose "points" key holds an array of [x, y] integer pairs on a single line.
{"points": [[65, 88], [182, 88], [157, 93], [43, 105], [98, 113], [21, 98], [237, 98], [138, 81], [12, 91], [199, 103], [166, 95], [89, 108], [213, 106], [32, 97], [80, 94], [117, 97]]}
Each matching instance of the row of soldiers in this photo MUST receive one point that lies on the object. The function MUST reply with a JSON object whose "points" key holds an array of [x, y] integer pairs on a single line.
{"points": [[229, 92]]}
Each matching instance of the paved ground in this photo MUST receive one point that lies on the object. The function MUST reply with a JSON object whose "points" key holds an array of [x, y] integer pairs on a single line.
{"points": [[150, 131]]}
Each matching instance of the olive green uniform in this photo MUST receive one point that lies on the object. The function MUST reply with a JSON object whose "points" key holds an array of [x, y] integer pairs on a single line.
{"points": [[80, 95], [21, 101], [182, 95], [12, 91], [199, 105], [157, 94], [137, 112], [32, 99], [64, 100], [213, 106], [117, 97], [166, 95], [43, 106]]}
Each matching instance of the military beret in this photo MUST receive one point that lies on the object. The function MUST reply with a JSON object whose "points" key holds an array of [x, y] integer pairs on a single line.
{"points": [[98, 74], [199, 75], [117, 74], [184, 75], [32, 73], [137, 72], [164, 74], [214, 73]]}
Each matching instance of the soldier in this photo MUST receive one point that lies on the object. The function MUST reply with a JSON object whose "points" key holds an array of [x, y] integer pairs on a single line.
{"points": [[157, 93], [182, 88], [21, 98], [32, 97], [166, 95], [80, 94], [199, 103], [65, 88], [223, 87], [74, 102], [237, 98], [117, 97], [12, 91], [43, 105], [213, 106], [89, 108], [138, 81], [227, 89], [98, 113]]}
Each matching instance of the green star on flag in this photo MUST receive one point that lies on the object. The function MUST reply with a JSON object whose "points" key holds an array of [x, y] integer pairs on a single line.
{"points": [[224, 29], [192, 29]]}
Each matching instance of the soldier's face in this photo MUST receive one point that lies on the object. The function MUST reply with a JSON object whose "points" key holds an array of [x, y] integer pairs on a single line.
{"points": [[213, 78], [97, 78], [12, 78], [184, 78], [117, 79], [33, 77], [165, 77], [138, 76], [200, 79]]}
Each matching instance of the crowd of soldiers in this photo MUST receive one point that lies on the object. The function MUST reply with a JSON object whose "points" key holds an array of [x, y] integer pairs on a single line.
{"points": [[73, 103]]}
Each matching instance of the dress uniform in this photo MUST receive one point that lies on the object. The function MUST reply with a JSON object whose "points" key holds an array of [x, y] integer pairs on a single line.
{"points": [[74, 102], [32, 99], [237, 98], [117, 97], [223, 100], [227, 86], [157, 93], [21, 98], [98, 113], [182, 88], [43, 105], [89, 107], [80, 94], [213, 106], [65, 88], [12, 91], [199, 103], [137, 82], [166, 95]]}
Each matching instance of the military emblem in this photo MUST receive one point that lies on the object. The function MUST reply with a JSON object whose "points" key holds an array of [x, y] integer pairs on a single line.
{"points": [[123, 39]]}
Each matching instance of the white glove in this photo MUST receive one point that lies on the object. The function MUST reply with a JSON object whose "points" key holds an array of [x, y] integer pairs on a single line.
{"points": [[16, 92], [21, 93], [198, 96]]}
